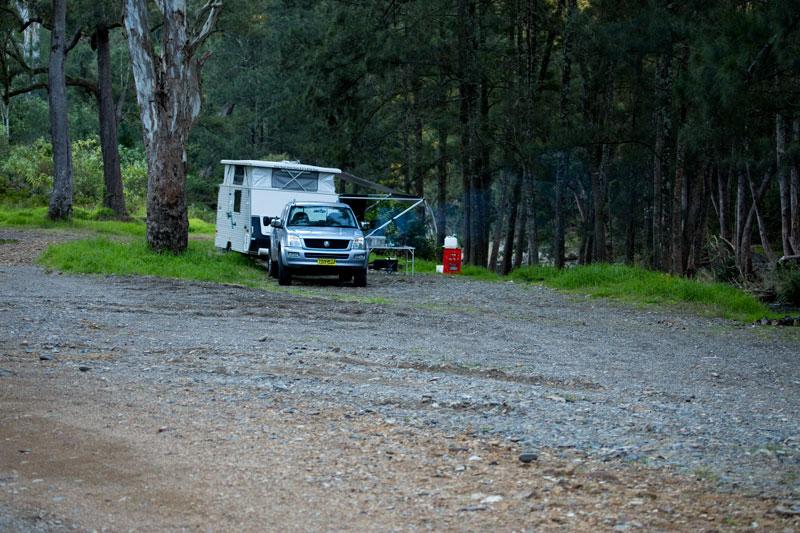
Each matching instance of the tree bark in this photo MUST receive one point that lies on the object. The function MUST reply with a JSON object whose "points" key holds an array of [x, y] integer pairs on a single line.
{"points": [[562, 158], [723, 202], [169, 97], [794, 190], [762, 230], [441, 191], [502, 209], [630, 224], [662, 126], [468, 93], [678, 192], [114, 197], [783, 184], [599, 196], [61, 199], [532, 229], [744, 253], [512, 224], [523, 227]]}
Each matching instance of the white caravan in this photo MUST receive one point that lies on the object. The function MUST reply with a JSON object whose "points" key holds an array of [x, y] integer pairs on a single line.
{"points": [[254, 192]]}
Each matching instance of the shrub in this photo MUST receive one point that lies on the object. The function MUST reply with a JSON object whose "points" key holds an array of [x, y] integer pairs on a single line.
{"points": [[787, 285]]}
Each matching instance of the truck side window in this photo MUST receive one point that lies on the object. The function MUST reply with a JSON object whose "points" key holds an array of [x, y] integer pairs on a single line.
{"points": [[238, 175], [237, 201]]}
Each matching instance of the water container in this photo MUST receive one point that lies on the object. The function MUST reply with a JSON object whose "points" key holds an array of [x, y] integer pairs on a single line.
{"points": [[451, 242]]}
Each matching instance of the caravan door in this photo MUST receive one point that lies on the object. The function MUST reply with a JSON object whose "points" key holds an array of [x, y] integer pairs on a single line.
{"points": [[233, 210]]}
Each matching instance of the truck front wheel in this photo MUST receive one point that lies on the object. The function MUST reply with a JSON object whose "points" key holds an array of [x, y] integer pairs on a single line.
{"points": [[360, 278], [284, 277]]}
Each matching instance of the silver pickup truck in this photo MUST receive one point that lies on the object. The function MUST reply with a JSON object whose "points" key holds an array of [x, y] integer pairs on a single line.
{"points": [[317, 238]]}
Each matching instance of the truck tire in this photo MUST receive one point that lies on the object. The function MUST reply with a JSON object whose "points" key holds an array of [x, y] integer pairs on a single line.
{"points": [[284, 277], [272, 268], [360, 278]]}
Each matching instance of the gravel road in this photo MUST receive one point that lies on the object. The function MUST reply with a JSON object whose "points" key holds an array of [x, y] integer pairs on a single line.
{"points": [[573, 378]]}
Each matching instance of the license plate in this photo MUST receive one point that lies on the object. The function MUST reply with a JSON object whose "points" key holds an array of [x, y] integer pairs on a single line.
{"points": [[329, 262]]}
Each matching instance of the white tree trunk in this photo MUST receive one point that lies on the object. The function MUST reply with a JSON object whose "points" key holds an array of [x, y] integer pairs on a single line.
{"points": [[168, 93]]}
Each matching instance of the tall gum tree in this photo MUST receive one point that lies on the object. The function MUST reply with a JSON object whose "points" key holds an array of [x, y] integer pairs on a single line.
{"points": [[168, 92], [61, 199]]}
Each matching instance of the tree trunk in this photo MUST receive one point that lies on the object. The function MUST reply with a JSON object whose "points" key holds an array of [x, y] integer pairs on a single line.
{"points": [[168, 92], [532, 230], [525, 200], [561, 169], [696, 222], [678, 192], [794, 190], [630, 225], [441, 191], [61, 200], [502, 209], [762, 230], [599, 196], [783, 184], [512, 224], [468, 93], [744, 253], [662, 127], [741, 211], [724, 202], [5, 115], [113, 197]]}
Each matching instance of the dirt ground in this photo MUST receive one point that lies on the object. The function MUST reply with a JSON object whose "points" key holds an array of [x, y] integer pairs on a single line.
{"points": [[145, 404]]}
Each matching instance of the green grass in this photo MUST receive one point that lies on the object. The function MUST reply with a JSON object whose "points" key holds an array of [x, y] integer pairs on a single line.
{"points": [[200, 262], [633, 285], [130, 256]]}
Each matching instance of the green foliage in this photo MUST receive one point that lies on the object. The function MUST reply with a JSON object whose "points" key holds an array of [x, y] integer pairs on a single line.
{"points": [[99, 220], [27, 172], [134, 178], [786, 282]]}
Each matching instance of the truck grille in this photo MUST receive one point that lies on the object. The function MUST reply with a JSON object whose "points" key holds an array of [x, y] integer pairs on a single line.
{"points": [[314, 255], [333, 244]]}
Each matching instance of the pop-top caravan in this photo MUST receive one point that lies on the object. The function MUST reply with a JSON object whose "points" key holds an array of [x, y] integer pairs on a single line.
{"points": [[253, 192]]}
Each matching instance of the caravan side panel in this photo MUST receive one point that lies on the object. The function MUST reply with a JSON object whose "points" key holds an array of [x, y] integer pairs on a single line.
{"points": [[224, 235]]}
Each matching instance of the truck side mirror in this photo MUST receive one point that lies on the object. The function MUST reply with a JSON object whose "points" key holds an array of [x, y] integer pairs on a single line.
{"points": [[276, 223]]}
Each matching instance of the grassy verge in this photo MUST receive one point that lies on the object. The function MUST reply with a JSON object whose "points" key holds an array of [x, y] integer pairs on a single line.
{"points": [[130, 256], [200, 262], [634, 285]]}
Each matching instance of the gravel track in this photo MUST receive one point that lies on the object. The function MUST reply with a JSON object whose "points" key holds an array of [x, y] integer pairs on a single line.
{"points": [[502, 361]]}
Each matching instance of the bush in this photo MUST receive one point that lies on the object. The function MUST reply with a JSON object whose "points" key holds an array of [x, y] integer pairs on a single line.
{"points": [[787, 285], [27, 173]]}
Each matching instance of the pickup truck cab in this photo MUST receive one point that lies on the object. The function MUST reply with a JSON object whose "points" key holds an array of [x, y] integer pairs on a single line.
{"points": [[317, 238]]}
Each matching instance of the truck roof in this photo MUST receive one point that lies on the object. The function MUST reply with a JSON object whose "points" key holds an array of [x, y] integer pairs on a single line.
{"points": [[286, 165], [311, 204]]}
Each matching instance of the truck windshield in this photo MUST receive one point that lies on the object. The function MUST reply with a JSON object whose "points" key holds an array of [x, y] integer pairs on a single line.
{"points": [[322, 216]]}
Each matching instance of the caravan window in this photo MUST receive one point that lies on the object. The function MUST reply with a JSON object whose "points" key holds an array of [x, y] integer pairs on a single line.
{"points": [[238, 175], [237, 201], [295, 180]]}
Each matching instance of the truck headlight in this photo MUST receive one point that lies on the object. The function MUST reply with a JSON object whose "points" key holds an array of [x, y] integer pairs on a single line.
{"points": [[358, 243], [293, 241]]}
